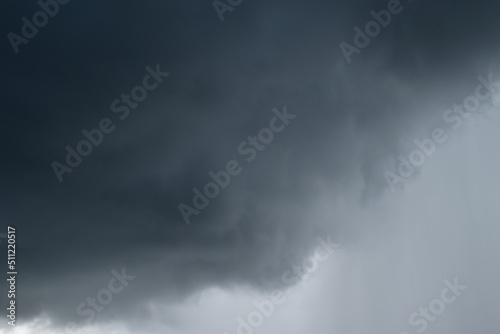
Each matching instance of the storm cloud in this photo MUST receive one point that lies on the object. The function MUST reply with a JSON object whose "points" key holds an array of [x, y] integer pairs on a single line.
{"points": [[323, 174]]}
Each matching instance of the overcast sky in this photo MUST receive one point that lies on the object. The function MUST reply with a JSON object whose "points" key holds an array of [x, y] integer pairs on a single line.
{"points": [[327, 131]]}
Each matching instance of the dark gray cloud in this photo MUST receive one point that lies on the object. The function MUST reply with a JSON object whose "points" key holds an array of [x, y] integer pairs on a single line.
{"points": [[119, 208]]}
